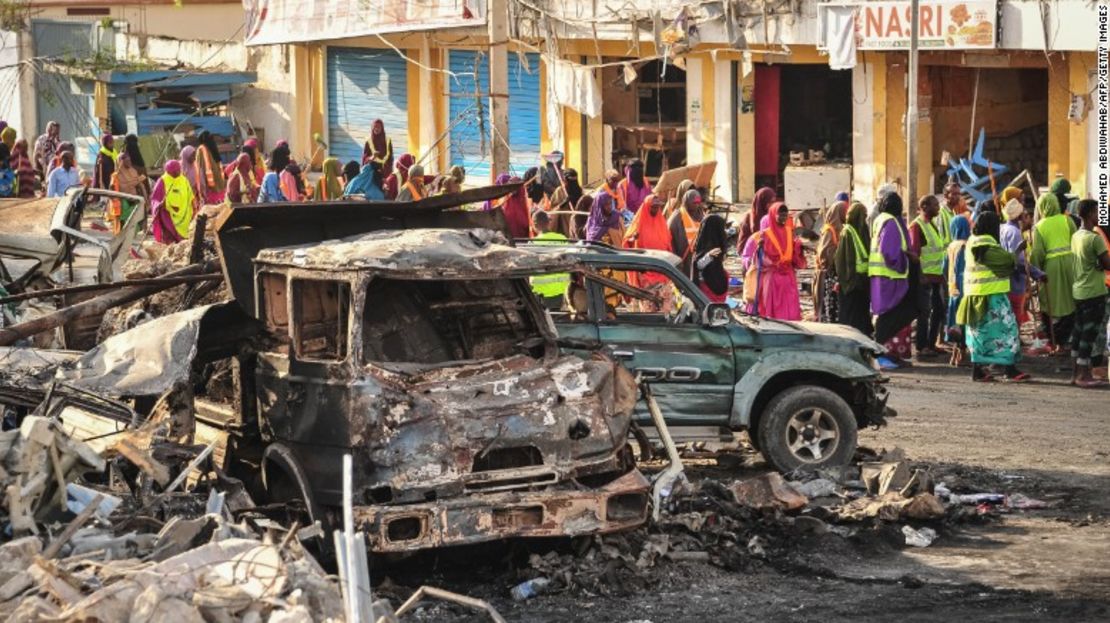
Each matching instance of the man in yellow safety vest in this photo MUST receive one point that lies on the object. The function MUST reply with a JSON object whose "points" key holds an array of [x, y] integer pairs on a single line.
{"points": [[551, 287], [927, 246]]}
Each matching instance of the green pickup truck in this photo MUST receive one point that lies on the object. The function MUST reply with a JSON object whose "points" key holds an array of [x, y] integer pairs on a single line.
{"points": [[800, 389]]}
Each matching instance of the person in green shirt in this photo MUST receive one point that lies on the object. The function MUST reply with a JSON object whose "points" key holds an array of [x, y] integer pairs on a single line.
{"points": [[1050, 253], [1090, 258]]}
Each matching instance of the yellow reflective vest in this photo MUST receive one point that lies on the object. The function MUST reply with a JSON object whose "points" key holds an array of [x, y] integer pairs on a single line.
{"points": [[978, 279], [876, 265], [932, 252], [851, 234], [551, 284], [179, 202]]}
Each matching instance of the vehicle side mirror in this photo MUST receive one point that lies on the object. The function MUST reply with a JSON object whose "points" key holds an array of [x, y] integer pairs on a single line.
{"points": [[716, 315]]}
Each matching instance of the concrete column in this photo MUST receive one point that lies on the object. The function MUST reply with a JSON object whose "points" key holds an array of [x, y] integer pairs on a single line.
{"points": [[724, 118], [695, 111], [745, 152], [864, 179]]}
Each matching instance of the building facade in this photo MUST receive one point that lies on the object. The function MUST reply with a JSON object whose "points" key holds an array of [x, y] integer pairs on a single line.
{"points": [[743, 83]]}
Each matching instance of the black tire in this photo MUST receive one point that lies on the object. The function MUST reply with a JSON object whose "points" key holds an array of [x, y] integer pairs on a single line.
{"points": [[794, 427]]}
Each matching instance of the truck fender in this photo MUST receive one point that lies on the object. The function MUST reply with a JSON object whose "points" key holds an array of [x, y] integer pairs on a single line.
{"points": [[279, 456], [749, 385]]}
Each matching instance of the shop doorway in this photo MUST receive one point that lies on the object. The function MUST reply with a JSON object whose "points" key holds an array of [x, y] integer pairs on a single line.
{"points": [[1011, 106], [646, 118], [803, 122]]}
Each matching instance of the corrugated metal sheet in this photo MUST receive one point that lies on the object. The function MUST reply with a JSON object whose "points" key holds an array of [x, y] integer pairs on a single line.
{"points": [[55, 97], [467, 145], [364, 85]]}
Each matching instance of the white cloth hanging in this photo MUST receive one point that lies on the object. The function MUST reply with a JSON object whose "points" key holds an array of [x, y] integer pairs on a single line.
{"points": [[840, 36]]}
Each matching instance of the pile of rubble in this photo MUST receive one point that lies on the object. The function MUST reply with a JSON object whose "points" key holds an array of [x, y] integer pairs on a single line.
{"points": [[742, 524]]}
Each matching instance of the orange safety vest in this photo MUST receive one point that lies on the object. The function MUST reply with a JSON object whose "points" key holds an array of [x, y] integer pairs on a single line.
{"points": [[690, 226], [416, 195], [835, 234], [618, 197]]}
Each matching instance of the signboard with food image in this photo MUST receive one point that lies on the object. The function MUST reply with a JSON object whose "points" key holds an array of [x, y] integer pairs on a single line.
{"points": [[942, 24]]}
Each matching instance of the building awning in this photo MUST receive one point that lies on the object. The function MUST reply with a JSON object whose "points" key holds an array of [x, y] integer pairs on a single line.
{"points": [[301, 21]]}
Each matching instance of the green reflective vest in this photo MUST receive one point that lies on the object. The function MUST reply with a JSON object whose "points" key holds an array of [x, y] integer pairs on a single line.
{"points": [[1056, 234], [932, 252], [551, 284], [978, 279], [944, 225], [876, 266], [850, 233]]}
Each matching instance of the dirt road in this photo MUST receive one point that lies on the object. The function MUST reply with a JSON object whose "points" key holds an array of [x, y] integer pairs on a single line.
{"points": [[1044, 439]]}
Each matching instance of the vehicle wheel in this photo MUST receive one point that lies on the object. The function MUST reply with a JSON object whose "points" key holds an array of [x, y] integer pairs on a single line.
{"points": [[807, 428]]}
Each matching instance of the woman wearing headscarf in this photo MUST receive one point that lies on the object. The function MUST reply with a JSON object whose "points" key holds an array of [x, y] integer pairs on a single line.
{"points": [[533, 187], [270, 189], [649, 231], [581, 214], [1051, 254], [959, 230], [45, 145], [457, 173], [378, 148], [210, 172], [252, 148], [850, 263], [708, 266], [240, 183], [674, 201], [414, 189], [7, 176], [395, 180], [573, 186], [894, 279], [188, 158], [27, 183], [126, 179], [8, 136], [825, 301], [764, 197], [1061, 188], [605, 223], [131, 148], [292, 182], [368, 183], [635, 188], [173, 204], [330, 185], [773, 256], [105, 162], [985, 311], [514, 207], [684, 225]]}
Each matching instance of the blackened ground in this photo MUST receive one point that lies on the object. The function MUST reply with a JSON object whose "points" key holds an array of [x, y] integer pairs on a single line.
{"points": [[1044, 439]]}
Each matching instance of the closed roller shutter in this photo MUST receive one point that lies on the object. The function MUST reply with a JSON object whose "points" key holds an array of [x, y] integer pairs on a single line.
{"points": [[364, 85], [467, 146]]}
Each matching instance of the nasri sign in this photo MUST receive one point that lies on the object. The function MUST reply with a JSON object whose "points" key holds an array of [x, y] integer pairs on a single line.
{"points": [[942, 24]]}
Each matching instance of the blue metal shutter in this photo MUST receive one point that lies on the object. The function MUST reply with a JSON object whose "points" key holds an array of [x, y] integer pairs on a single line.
{"points": [[470, 128], [364, 85]]}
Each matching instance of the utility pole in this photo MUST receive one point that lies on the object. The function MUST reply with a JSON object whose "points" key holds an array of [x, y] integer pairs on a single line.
{"points": [[498, 19], [911, 112]]}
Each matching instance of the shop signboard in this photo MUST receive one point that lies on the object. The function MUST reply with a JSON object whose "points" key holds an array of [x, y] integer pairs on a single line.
{"points": [[298, 21], [942, 24]]}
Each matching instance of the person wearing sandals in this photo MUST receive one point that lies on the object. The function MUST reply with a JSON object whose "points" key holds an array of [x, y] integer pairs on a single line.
{"points": [[1090, 258], [985, 311]]}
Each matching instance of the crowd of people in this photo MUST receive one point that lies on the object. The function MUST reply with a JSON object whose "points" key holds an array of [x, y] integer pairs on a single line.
{"points": [[953, 281]]}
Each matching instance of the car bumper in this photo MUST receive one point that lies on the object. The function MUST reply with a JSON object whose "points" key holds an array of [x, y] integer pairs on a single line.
{"points": [[871, 403], [619, 505]]}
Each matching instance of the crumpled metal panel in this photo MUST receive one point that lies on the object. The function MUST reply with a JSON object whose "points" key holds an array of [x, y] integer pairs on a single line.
{"points": [[555, 512], [418, 436], [420, 254]]}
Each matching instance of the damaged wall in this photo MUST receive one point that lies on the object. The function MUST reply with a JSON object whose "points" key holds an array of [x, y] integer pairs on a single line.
{"points": [[268, 104]]}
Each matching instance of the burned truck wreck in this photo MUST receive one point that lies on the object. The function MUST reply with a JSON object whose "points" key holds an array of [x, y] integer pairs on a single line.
{"points": [[424, 355]]}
